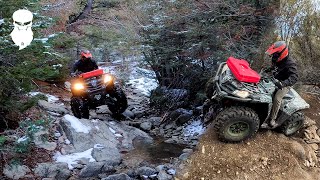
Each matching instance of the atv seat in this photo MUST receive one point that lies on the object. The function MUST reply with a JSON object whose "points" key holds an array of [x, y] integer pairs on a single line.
{"points": [[241, 70]]}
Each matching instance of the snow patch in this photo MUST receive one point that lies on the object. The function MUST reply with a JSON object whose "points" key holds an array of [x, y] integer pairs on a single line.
{"points": [[74, 158], [22, 139], [1, 21], [145, 85], [76, 124], [193, 128], [112, 130], [50, 97], [67, 141]]}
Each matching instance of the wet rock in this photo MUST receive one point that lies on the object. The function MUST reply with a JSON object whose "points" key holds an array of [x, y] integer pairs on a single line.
{"points": [[146, 126], [107, 154], [183, 118], [52, 107], [160, 168], [53, 170], [91, 170], [164, 176], [128, 114], [184, 156], [15, 171], [121, 176], [139, 113], [147, 171]]}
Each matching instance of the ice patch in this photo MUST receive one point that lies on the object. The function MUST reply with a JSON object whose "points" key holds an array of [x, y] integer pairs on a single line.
{"points": [[22, 139], [112, 130], [74, 158], [76, 124], [195, 127]]}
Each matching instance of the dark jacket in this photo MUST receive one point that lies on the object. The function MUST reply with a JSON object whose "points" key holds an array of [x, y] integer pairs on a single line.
{"points": [[84, 66], [286, 72]]}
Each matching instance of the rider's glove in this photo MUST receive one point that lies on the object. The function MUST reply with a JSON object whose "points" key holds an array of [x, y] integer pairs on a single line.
{"points": [[278, 84]]}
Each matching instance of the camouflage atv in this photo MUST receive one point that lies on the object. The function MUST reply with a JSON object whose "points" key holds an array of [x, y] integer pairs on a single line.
{"points": [[239, 108]]}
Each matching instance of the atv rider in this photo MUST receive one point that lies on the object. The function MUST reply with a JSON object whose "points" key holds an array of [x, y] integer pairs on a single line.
{"points": [[85, 64], [285, 73]]}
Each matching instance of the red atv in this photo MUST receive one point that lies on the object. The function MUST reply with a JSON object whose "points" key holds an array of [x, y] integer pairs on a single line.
{"points": [[92, 89]]}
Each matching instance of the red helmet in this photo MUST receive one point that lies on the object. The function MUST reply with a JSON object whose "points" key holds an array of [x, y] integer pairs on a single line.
{"points": [[86, 54], [278, 51]]}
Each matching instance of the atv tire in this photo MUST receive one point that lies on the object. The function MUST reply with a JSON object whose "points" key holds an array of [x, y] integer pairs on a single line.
{"points": [[293, 124], [236, 124], [78, 108], [120, 103]]}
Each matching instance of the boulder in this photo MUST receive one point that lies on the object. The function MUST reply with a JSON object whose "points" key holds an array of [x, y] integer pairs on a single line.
{"points": [[164, 176], [109, 155], [111, 135], [53, 170], [52, 107], [15, 171], [91, 170], [145, 171], [121, 176], [156, 121], [184, 156], [146, 126], [129, 114]]}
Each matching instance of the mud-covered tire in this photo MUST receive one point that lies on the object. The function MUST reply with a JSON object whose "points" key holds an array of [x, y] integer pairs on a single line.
{"points": [[293, 124], [236, 124], [78, 109], [209, 88], [121, 103]]}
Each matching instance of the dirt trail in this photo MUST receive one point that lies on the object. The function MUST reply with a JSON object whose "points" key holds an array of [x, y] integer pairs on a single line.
{"points": [[268, 155]]}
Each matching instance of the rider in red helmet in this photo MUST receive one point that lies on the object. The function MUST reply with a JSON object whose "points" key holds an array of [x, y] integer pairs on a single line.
{"points": [[286, 75], [85, 64]]}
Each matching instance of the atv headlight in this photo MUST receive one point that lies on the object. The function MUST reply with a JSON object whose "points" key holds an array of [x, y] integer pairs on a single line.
{"points": [[241, 94], [107, 78], [78, 86]]}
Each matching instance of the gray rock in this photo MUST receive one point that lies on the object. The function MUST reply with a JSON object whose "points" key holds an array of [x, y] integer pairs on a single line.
{"points": [[53, 170], [146, 126], [171, 171], [128, 114], [121, 176], [41, 143], [187, 151], [91, 170], [183, 118], [164, 176], [103, 110], [156, 121], [107, 154], [139, 113], [15, 171], [106, 134], [184, 156], [160, 168], [52, 107], [147, 171]]}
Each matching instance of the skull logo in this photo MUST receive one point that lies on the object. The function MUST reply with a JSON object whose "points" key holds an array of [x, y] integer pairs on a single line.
{"points": [[22, 34]]}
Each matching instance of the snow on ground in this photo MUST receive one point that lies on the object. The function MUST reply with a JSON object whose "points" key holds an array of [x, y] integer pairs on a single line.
{"points": [[195, 127], [143, 80], [50, 97], [1, 21], [76, 124], [22, 139], [74, 158]]}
